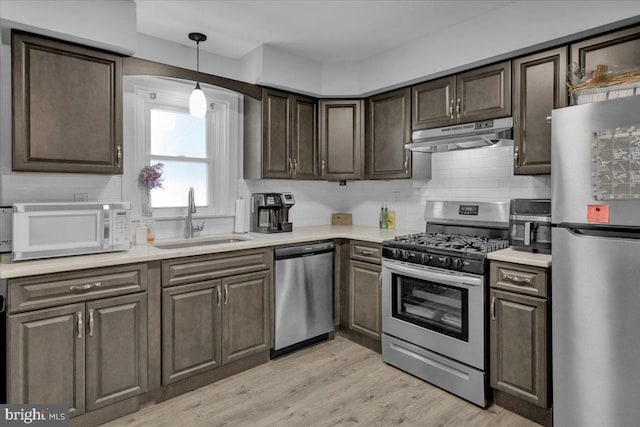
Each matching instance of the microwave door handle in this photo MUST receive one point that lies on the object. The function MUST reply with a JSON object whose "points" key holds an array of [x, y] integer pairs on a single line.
{"points": [[527, 233], [106, 221]]}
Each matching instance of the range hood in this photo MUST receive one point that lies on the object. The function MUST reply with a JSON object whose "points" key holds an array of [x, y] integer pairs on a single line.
{"points": [[486, 133]]}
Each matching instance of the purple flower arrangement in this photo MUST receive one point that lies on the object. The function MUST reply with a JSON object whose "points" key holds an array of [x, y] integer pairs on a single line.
{"points": [[150, 177]]}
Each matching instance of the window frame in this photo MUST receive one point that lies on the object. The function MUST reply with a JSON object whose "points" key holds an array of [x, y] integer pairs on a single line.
{"points": [[223, 136]]}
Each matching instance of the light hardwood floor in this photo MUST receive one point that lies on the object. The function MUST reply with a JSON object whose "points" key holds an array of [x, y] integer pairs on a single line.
{"points": [[336, 383]]}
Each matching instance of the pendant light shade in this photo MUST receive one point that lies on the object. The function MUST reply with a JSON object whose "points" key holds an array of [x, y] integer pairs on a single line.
{"points": [[197, 100]]}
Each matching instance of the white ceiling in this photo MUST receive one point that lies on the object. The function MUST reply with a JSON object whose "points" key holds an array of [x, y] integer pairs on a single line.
{"points": [[325, 31]]}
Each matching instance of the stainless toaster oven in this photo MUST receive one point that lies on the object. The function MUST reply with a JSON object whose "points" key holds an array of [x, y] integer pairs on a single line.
{"points": [[530, 225]]}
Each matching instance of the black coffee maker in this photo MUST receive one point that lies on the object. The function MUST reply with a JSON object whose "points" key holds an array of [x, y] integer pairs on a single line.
{"points": [[270, 212]]}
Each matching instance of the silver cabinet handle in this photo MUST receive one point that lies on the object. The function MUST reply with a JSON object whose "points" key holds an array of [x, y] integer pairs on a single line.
{"points": [[91, 322], [406, 162], [85, 287], [290, 167], [548, 119], [518, 279], [380, 280], [118, 156], [458, 107], [493, 308], [365, 252], [79, 324], [295, 167], [322, 168], [527, 233], [226, 294], [451, 108], [516, 154], [219, 295]]}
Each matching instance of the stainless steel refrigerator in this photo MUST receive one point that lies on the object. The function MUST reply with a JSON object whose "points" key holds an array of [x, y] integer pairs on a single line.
{"points": [[595, 179]]}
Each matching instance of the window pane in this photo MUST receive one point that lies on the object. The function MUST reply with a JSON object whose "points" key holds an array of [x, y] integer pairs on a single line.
{"points": [[177, 134], [178, 177]]}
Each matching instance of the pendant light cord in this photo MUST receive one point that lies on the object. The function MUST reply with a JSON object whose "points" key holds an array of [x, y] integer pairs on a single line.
{"points": [[198, 56]]}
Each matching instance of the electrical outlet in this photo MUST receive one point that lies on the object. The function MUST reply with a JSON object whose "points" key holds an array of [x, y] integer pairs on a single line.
{"points": [[81, 197]]}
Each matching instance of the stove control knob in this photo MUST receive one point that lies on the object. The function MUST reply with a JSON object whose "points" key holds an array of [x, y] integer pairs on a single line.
{"points": [[397, 253], [447, 262], [425, 258], [406, 255], [458, 263]]}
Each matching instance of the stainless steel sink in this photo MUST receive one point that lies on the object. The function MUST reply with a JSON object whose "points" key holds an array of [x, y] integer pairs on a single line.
{"points": [[189, 243]]}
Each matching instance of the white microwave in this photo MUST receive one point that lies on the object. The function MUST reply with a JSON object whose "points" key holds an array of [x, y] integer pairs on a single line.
{"points": [[45, 230]]}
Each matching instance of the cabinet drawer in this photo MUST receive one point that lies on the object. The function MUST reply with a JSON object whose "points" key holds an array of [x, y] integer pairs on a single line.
{"points": [[196, 269], [365, 251], [519, 278], [31, 293]]}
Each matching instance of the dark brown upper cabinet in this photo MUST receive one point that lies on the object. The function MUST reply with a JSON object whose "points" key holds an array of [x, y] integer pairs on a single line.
{"points": [[388, 128], [483, 93], [539, 86], [289, 134], [67, 107], [619, 50], [341, 139]]}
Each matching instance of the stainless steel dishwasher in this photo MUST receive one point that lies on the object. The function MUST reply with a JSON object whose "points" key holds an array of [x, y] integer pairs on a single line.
{"points": [[304, 277]]}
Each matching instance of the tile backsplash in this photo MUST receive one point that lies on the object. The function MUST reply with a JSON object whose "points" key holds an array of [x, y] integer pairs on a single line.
{"points": [[483, 174]]}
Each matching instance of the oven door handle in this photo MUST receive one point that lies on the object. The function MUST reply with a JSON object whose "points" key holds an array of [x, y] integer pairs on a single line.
{"points": [[433, 276]]}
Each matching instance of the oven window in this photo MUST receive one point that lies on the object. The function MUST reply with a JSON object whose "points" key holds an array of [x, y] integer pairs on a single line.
{"points": [[431, 305]]}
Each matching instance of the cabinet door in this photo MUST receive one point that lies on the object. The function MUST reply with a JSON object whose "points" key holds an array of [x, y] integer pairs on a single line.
{"points": [[304, 137], [116, 349], [538, 87], [619, 50], [67, 104], [365, 313], [46, 350], [341, 139], [191, 330], [519, 346], [388, 129], [433, 103], [246, 319], [276, 158], [484, 93]]}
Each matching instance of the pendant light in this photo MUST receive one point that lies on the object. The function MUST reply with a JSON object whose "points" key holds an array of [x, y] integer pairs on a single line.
{"points": [[197, 101]]}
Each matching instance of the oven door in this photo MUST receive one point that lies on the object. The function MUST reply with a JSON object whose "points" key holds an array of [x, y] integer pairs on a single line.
{"points": [[440, 310]]}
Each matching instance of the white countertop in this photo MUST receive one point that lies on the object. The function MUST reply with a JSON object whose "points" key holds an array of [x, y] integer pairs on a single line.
{"points": [[520, 257], [9, 269]]}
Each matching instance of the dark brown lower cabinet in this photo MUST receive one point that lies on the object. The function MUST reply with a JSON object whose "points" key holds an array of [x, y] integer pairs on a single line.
{"points": [[246, 316], [85, 355], [116, 349], [191, 332], [46, 357], [519, 346], [208, 324], [365, 315]]}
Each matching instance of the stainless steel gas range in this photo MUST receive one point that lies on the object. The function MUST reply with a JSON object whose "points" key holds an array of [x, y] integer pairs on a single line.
{"points": [[434, 296]]}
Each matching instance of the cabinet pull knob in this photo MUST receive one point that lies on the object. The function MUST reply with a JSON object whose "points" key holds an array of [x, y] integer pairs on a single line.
{"points": [[219, 295], [118, 156], [79, 324], [85, 287], [493, 308], [322, 167], [458, 107], [451, 108], [91, 322], [406, 162], [226, 294], [518, 279]]}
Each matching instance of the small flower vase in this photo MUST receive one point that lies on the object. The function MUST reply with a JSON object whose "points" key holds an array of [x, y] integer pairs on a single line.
{"points": [[146, 203]]}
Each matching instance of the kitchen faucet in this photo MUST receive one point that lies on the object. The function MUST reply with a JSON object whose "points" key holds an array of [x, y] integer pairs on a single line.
{"points": [[191, 209]]}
